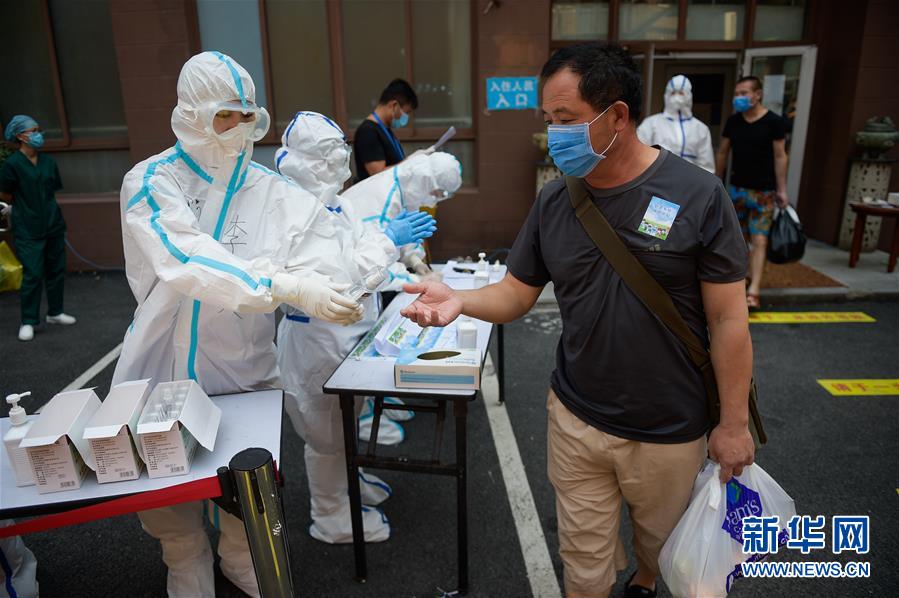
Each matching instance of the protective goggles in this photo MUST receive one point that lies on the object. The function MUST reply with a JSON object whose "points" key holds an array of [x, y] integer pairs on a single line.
{"points": [[225, 111]]}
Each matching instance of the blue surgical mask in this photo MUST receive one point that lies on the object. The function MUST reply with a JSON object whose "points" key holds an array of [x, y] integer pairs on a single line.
{"points": [[571, 150], [36, 140], [742, 103], [402, 121]]}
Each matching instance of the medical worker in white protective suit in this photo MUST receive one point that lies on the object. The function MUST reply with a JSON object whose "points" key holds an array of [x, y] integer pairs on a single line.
{"points": [[213, 244], [420, 181], [314, 153], [676, 129], [18, 567]]}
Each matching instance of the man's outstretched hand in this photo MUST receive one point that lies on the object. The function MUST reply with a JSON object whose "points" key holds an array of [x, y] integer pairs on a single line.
{"points": [[438, 304]]}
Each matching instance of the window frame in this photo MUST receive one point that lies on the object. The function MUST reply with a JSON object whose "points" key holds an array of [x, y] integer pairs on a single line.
{"points": [[67, 143], [334, 15], [681, 43]]}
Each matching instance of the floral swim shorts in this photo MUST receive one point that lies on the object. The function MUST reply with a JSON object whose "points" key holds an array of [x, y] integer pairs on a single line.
{"points": [[755, 209]]}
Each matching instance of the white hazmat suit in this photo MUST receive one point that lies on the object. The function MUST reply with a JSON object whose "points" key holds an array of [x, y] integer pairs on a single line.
{"points": [[420, 181], [18, 567], [315, 155], [676, 129], [213, 244]]}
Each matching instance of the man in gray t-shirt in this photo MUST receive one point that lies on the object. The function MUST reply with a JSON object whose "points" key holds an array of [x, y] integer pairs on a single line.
{"points": [[627, 416], [618, 368]]}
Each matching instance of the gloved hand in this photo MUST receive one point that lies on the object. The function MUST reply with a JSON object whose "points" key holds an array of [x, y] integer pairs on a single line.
{"points": [[5, 209], [410, 227], [319, 300]]}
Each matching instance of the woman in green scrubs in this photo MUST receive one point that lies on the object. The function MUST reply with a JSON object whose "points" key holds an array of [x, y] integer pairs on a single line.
{"points": [[29, 181]]}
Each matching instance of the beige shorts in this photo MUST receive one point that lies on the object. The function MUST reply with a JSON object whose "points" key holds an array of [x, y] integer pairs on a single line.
{"points": [[591, 472]]}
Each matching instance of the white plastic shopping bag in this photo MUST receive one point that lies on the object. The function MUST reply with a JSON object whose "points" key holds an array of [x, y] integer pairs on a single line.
{"points": [[702, 556]]}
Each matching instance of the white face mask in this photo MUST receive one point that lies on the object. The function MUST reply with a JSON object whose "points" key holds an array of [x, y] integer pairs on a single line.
{"points": [[677, 101], [236, 139]]}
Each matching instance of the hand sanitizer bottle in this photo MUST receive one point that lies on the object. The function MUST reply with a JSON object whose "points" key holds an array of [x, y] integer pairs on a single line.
{"points": [[482, 263], [466, 333], [19, 426]]}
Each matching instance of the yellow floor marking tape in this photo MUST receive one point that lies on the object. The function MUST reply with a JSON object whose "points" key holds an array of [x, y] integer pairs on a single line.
{"points": [[855, 388], [808, 317]]}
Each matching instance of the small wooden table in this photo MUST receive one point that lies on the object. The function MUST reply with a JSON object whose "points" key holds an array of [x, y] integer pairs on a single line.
{"points": [[862, 211]]}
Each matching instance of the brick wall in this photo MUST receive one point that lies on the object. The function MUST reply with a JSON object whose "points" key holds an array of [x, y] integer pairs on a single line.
{"points": [[855, 79], [153, 40]]}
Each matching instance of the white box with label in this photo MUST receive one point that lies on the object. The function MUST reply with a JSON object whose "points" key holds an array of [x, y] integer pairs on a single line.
{"points": [[443, 369], [112, 432], [177, 419], [57, 451]]}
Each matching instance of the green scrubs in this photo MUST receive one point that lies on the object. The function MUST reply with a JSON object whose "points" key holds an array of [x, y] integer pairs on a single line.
{"points": [[38, 231]]}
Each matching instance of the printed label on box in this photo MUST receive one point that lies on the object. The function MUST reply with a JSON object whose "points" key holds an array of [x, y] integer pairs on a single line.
{"points": [[57, 466], [116, 458], [168, 453]]}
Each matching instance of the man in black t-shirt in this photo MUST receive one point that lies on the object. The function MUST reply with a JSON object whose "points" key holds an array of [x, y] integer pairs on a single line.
{"points": [[374, 144], [626, 408], [758, 177]]}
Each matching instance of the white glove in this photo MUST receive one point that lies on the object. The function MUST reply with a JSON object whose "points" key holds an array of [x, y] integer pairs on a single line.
{"points": [[5, 209], [319, 300]]}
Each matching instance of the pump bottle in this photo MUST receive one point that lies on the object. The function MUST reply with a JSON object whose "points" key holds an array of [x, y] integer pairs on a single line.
{"points": [[19, 425]]}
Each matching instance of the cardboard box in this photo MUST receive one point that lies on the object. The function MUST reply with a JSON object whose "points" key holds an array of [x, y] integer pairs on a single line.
{"points": [[58, 453], [169, 441], [443, 369], [112, 431]]}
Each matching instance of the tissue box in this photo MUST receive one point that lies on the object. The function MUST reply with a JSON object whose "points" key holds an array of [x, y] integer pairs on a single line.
{"points": [[58, 453], [443, 369], [169, 436], [112, 431]]}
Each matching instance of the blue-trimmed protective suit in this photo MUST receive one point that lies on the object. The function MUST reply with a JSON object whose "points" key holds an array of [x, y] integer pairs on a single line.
{"points": [[676, 129], [213, 244]]}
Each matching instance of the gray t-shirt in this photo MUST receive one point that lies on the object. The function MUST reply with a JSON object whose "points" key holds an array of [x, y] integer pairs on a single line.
{"points": [[618, 368]]}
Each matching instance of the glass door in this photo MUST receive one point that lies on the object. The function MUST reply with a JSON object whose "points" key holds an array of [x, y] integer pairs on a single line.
{"points": [[787, 76]]}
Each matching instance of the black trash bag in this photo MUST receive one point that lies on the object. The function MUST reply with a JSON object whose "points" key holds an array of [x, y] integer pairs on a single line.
{"points": [[786, 243]]}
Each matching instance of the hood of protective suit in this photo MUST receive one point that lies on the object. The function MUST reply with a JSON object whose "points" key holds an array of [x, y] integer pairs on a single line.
{"points": [[314, 153], [679, 97], [207, 80], [427, 179]]}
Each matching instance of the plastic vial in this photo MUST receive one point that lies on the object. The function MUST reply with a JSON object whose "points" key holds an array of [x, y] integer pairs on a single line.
{"points": [[466, 333], [369, 283], [19, 426], [167, 404]]}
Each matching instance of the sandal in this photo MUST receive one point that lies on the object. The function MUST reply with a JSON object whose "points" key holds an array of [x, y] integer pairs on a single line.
{"points": [[753, 302], [635, 591]]}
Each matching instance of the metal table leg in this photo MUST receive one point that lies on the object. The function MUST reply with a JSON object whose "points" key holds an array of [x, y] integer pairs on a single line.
{"points": [[260, 508], [350, 443], [460, 411], [501, 359]]}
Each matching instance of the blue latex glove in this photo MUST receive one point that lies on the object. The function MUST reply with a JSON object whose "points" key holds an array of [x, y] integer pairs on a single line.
{"points": [[410, 227]]}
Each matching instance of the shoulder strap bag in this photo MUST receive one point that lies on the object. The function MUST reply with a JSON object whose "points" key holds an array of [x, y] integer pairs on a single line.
{"points": [[656, 299]]}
